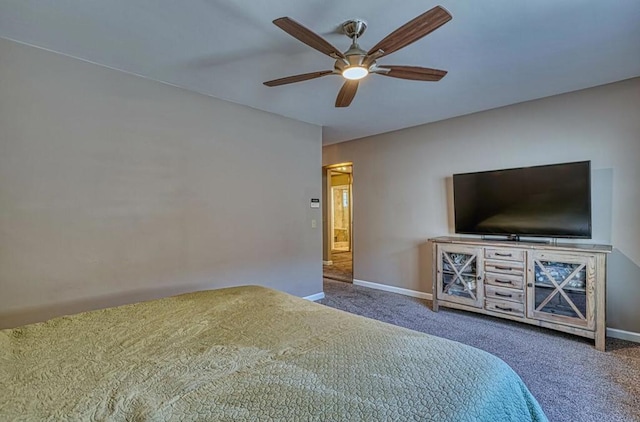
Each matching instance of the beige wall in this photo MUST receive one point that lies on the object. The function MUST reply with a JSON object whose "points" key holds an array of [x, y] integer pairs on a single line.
{"points": [[405, 176], [114, 188]]}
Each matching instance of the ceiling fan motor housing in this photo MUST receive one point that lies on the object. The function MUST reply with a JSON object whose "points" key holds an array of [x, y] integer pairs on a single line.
{"points": [[354, 56]]}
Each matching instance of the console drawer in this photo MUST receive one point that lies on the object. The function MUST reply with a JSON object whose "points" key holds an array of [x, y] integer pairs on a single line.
{"points": [[504, 307], [504, 254], [502, 280], [500, 293], [504, 267]]}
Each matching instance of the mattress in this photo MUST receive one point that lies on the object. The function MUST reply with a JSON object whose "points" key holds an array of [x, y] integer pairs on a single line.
{"points": [[248, 353]]}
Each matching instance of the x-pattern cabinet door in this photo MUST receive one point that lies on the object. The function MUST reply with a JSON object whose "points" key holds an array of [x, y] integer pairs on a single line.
{"points": [[459, 277], [561, 289]]}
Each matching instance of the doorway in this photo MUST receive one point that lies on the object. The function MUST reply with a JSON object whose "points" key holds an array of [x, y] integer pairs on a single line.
{"points": [[338, 223]]}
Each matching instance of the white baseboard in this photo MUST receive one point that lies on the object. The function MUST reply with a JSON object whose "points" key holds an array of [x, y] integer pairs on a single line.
{"points": [[327, 262], [611, 332], [623, 335], [393, 289], [315, 297]]}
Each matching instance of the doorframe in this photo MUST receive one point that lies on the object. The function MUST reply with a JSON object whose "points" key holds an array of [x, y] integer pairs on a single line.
{"points": [[329, 215]]}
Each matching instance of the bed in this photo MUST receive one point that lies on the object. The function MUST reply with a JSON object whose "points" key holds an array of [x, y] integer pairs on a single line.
{"points": [[248, 353]]}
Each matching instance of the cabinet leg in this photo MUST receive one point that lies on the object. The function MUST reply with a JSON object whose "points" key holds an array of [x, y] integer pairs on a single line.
{"points": [[600, 340]]}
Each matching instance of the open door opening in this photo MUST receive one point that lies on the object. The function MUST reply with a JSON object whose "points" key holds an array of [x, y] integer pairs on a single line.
{"points": [[338, 223]]}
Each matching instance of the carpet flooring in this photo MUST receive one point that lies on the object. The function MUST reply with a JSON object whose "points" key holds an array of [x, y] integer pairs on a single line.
{"points": [[341, 268], [570, 379]]}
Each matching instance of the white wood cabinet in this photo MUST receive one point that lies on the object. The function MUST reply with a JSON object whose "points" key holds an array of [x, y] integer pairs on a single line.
{"points": [[557, 286]]}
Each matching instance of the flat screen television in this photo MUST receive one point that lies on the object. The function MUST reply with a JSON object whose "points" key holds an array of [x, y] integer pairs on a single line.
{"points": [[542, 201]]}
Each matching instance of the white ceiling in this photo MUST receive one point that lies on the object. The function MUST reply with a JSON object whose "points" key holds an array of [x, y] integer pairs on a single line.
{"points": [[497, 52]]}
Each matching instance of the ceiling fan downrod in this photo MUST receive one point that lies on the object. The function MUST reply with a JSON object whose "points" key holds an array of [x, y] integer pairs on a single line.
{"points": [[352, 65]]}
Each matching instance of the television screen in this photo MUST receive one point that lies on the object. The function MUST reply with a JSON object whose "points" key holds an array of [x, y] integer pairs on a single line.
{"points": [[549, 201]]}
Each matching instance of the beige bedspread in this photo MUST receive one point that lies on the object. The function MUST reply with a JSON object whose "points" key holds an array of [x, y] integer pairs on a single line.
{"points": [[247, 353]]}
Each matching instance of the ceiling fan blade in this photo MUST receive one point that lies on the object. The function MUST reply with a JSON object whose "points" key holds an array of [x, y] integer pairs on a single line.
{"points": [[346, 94], [413, 30], [307, 36], [411, 72], [298, 78]]}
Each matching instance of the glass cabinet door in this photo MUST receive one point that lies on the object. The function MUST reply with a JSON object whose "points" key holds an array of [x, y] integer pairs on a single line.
{"points": [[562, 289], [459, 275]]}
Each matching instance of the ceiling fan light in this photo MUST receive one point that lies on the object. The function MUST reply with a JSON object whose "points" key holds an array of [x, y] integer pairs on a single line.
{"points": [[355, 72]]}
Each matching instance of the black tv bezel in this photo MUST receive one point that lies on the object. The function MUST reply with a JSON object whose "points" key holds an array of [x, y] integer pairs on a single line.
{"points": [[518, 236]]}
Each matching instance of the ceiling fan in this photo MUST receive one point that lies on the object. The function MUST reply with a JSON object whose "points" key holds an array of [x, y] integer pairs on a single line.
{"points": [[355, 63]]}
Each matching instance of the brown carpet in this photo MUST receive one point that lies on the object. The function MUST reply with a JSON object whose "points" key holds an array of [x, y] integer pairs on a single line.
{"points": [[571, 380], [342, 267]]}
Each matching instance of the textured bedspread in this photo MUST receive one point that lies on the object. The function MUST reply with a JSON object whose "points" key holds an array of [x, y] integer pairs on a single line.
{"points": [[247, 353]]}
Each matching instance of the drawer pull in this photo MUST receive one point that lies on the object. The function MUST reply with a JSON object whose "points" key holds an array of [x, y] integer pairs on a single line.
{"points": [[497, 280], [502, 254], [503, 309], [502, 268], [502, 294]]}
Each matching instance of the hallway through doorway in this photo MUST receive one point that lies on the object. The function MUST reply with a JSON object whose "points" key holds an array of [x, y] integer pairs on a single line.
{"points": [[341, 268], [337, 223]]}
